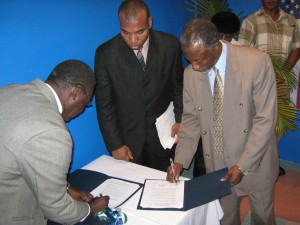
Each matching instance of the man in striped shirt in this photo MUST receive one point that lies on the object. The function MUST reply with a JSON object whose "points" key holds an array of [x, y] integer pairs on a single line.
{"points": [[270, 29]]}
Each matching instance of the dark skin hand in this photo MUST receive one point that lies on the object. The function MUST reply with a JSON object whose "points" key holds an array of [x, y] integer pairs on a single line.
{"points": [[174, 131], [96, 204], [79, 195], [122, 153], [234, 174], [177, 169]]}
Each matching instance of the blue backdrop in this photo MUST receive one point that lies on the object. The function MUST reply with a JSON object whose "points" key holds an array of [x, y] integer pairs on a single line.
{"points": [[36, 35]]}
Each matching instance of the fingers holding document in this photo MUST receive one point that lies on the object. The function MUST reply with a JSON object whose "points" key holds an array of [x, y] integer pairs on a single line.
{"points": [[173, 172], [98, 204]]}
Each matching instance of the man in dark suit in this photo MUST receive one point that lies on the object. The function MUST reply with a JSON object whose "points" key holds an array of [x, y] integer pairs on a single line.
{"points": [[130, 96]]}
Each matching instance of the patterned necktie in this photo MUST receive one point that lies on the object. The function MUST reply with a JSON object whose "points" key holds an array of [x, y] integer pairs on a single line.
{"points": [[141, 59], [217, 114]]}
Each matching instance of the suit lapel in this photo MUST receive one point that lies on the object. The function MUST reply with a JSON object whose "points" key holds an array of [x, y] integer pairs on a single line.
{"points": [[153, 52], [232, 91], [204, 95]]}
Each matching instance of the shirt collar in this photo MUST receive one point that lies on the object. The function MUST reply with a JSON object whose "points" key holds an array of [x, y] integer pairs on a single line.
{"points": [[261, 12], [221, 63], [60, 109]]}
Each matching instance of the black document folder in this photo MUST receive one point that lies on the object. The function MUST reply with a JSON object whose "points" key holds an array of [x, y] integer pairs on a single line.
{"points": [[88, 180], [200, 190]]}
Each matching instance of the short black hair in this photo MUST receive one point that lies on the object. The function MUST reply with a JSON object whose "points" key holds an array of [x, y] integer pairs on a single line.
{"points": [[131, 8], [226, 22], [73, 72]]}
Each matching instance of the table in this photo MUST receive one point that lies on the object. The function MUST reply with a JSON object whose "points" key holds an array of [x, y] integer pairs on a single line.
{"points": [[208, 214]]}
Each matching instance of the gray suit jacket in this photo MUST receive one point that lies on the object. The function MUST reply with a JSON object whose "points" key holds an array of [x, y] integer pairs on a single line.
{"points": [[35, 153], [249, 119]]}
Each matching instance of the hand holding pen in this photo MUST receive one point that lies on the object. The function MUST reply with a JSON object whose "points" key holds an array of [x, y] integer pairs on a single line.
{"points": [[174, 171]]}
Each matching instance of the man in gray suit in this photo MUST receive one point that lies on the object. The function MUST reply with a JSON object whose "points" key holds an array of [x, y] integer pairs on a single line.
{"points": [[36, 148], [248, 119]]}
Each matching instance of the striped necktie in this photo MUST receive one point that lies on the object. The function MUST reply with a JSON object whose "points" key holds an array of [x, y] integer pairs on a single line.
{"points": [[141, 59], [218, 114]]}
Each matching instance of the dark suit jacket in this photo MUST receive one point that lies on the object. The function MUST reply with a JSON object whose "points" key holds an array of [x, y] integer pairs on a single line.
{"points": [[128, 99]]}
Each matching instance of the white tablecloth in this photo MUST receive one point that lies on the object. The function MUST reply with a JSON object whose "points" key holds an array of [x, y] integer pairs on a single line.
{"points": [[209, 214]]}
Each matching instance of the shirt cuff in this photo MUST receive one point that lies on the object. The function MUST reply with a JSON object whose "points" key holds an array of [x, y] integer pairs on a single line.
{"points": [[87, 214]]}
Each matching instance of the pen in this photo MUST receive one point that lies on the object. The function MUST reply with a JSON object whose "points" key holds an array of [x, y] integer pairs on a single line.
{"points": [[173, 171]]}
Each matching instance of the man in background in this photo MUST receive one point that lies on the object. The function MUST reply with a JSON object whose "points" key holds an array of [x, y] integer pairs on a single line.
{"points": [[272, 30], [228, 25], [139, 73], [230, 101], [36, 148]]}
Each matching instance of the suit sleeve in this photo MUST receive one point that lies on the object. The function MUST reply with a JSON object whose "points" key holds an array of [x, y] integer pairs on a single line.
{"points": [[264, 121], [178, 76], [106, 111], [44, 164]]}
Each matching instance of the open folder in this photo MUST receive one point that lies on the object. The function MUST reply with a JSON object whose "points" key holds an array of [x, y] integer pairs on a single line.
{"points": [[198, 191], [96, 183]]}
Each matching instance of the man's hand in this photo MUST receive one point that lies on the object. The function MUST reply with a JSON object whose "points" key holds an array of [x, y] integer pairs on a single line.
{"points": [[122, 153], [98, 204], [234, 174], [79, 195], [177, 170], [175, 129]]}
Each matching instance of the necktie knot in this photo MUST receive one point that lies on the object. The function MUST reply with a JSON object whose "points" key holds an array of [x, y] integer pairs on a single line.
{"points": [[141, 59]]}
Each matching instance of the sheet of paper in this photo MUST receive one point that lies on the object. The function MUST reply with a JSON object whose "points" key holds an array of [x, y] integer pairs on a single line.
{"points": [[117, 190], [162, 194], [164, 125]]}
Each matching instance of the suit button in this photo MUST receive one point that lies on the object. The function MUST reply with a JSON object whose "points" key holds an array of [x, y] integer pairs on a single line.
{"points": [[246, 131], [204, 132], [207, 156], [241, 105], [200, 109]]}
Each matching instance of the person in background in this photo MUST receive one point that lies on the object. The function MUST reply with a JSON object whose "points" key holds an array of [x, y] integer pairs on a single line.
{"points": [[270, 29], [36, 148], [228, 25], [230, 101], [139, 72]]}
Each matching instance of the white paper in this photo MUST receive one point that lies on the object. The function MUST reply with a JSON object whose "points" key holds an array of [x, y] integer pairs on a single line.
{"points": [[162, 194], [117, 190], [164, 125]]}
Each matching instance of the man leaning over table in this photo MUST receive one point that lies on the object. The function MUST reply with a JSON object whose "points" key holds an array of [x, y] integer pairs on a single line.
{"points": [[244, 141], [36, 148]]}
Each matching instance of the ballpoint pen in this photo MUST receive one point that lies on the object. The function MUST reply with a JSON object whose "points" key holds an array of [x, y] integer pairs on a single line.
{"points": [[173, 171]]}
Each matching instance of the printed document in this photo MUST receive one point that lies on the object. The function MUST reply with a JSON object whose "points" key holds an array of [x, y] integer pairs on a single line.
{"points": [[164, 125], [118, 191], [162, 194]]}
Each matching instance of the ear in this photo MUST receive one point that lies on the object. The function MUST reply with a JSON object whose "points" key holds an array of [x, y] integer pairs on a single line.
{"points": [[75, 92], [150, 22]]}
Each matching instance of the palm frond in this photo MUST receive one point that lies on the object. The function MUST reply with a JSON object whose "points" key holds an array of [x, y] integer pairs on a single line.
{"points": [[206, 8]]}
